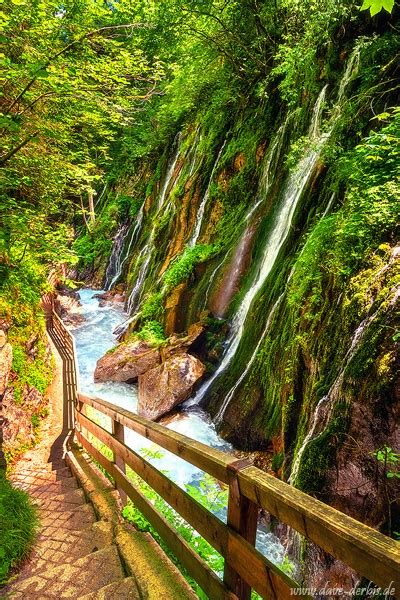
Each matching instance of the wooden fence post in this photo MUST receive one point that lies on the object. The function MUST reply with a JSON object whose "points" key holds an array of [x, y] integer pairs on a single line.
{"points": [[118, 433], [243, 518]]}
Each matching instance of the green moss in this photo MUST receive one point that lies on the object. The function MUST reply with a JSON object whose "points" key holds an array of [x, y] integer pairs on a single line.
{"points": [[182, 267], [152, 332], [152, 307], [319, 454]]}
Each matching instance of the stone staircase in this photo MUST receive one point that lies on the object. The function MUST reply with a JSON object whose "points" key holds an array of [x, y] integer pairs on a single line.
{"points": [[84, 549]]}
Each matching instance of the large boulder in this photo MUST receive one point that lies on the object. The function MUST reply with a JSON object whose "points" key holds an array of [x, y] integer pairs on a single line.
{"points": [[168, 384], [180, 344], [126, 362]]}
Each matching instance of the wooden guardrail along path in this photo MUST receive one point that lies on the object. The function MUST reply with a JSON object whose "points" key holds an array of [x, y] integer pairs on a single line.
{"points": [[370, 553]]}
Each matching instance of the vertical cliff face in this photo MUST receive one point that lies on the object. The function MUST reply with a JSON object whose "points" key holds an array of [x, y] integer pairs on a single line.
{"points": [[275, 225]]}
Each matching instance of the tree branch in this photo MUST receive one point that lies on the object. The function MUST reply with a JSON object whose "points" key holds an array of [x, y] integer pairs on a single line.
{"points": [[86, 36], [10, 154]]}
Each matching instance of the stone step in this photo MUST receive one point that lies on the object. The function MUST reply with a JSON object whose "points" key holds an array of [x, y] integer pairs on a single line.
{"points": [[156, 576], [79, 518], [87, 574], [64, 501], [48, 489], [33, 465], [120, 590], [66, 547], [33, 475]]}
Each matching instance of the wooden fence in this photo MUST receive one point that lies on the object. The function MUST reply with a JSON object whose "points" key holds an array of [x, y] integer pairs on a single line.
{"points": [[368, 552], [65, 343]]}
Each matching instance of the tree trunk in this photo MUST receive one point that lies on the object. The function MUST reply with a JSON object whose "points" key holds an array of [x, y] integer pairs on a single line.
{"points": [[92, 215]]}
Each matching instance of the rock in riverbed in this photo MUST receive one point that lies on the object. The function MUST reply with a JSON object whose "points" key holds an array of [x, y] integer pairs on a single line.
{"points": [[167, 385], [126, 362]]}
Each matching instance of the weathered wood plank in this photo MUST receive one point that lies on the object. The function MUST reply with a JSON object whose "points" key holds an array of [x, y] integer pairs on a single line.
{"points": [[212, 586], [200, 455], [118, 432], [242, 518], [364, 549]]}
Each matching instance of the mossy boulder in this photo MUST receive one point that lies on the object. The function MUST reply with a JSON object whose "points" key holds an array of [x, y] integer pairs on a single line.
{"points": [[127, 361]]}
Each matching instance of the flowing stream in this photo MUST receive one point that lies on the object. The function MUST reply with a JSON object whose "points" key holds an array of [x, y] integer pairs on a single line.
{"points": [[93, 338]]}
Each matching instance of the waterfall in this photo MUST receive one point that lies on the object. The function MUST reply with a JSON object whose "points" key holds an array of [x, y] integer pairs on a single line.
{"points": [[293, 189], [325, 406], [229, 396], [119, 255], [114, 264], [291, 195], [236, 266], [197, 140], [203, 204], [210, 282], [269, 167], [147, 250]]}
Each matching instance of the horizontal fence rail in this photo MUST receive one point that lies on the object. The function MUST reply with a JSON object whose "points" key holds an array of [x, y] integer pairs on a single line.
{"points": [[65, 343], [370, 553]]}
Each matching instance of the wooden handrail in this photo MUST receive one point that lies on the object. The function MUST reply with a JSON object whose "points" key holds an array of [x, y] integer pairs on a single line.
{"points": [[254, 568], [367, 551], [370, 553], [208, 459]]}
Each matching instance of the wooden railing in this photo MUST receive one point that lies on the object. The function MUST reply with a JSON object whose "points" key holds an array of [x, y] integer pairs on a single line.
{"points": [[368, 552], [65, 343]]}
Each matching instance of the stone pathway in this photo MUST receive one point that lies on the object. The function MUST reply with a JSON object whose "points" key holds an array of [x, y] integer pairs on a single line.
{"points": [[76, 555]]}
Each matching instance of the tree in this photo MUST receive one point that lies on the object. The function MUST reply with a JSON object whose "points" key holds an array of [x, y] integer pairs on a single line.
{"points": [[73, 79]]}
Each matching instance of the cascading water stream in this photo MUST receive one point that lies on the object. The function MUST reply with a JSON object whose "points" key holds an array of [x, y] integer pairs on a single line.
{"points": [[291, 195], [325, 406], [197, 140], [147, 250], [114, 264], [93, 338], [203, 204], [229, 396], [210, 282], [119, 254]]}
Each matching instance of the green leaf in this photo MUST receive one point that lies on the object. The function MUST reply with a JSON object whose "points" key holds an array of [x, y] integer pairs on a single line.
{"points": [[388, 5], [375, 6]]}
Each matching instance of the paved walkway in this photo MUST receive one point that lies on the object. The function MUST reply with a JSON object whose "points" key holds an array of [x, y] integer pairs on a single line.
{"points": [[74, 556], [82, 553]]}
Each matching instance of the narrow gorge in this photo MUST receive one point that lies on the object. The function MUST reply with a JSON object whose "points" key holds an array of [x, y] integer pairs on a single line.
{"points": [[230, 252]]}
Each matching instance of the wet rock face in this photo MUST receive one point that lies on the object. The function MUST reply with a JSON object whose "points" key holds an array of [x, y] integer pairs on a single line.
{"points": [[127, 362], [168, 384], [68, 307]]}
